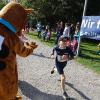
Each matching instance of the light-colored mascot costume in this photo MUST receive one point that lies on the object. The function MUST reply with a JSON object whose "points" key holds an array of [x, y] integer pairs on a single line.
{"points": [[12, 19]]}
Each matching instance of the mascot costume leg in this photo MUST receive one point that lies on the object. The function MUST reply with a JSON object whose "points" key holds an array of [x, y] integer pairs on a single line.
{"points": [[12, 19]]}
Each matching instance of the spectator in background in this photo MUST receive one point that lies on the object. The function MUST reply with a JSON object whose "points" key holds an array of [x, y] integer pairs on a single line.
{"points": [[68, 42], [66, 31], [77, 29], [74, 45], [46, 35], [62, 27], [59, 30], [39, 29], [72, 31]]}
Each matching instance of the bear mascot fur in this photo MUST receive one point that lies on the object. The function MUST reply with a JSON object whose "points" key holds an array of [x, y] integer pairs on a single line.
{"points": [[12, 19]]}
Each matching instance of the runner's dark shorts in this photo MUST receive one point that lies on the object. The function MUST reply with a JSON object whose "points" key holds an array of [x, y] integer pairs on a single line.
{"points": [[60, 66]]}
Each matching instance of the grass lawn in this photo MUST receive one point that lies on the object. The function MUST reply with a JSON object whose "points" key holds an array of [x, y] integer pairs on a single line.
{"points": [[50, 43], [88, 56]]}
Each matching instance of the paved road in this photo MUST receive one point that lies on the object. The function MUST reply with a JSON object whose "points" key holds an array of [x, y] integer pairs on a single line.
{"points": [[36, 82]]}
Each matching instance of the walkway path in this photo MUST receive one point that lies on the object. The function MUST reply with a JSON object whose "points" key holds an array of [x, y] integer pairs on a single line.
{"points": [[36, 82]]}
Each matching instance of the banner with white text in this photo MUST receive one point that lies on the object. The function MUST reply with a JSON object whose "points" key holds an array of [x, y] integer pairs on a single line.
{"points": [[90, 27]]}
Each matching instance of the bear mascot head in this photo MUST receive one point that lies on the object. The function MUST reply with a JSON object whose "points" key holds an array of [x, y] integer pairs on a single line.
{"points": [[12, 19]]}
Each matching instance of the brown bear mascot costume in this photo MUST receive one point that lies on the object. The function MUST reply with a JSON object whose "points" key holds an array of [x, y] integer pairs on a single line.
{"points": [[12, 19]]}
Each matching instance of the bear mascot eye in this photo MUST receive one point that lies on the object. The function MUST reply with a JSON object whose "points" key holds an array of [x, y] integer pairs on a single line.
{"points": [[4, 52]]}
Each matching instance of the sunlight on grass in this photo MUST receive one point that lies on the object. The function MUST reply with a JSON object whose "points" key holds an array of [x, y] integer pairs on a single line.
{"points": [[88, 57], [50, 43]]}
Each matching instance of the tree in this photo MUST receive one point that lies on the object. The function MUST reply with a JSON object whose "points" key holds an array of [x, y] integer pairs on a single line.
{"points": [[55, 9], [2, 4], [93, 8]]}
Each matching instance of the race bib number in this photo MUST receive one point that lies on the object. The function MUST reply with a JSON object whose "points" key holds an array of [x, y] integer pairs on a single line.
{"points": [[1, 41], [61, 58]]}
